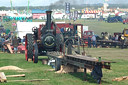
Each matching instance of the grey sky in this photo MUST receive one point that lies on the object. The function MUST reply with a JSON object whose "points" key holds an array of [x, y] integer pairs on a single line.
{"points": [[48, 2]]}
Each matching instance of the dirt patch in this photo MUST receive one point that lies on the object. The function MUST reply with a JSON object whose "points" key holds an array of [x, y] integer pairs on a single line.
{"points": [[11, 68]]}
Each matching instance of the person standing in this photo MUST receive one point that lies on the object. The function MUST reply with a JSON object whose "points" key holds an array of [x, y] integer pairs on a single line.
{"points": [[89, 41], [2, 44], [15, 43], [23, 40], [94, 40], [122, 41], [62, 29]]}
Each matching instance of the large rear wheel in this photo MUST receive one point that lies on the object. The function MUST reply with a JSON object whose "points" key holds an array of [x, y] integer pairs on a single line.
{"points": [[29, 46], [59, 42]]}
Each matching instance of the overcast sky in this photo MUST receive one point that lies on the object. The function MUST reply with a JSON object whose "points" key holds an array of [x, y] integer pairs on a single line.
{"points": [[48, 2]]}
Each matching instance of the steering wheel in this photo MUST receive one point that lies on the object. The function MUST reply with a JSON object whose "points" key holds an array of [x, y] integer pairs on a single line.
{"points": [[34, 28]]}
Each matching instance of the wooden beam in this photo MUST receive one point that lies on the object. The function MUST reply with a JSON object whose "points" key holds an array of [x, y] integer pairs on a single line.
{"points": [[29, 80], [120, 78], [19, 75], [9, 47]]}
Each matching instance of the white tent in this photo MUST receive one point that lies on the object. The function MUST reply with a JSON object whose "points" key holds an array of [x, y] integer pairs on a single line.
{"points": [[26, 27]]}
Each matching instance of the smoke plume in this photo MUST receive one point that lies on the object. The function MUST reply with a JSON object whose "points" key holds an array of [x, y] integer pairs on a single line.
{"points": [[72, 2], [60, 3]]}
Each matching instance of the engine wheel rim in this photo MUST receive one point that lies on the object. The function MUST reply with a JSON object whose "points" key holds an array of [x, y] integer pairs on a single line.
{"points": [[33, 54], [26, 50]]}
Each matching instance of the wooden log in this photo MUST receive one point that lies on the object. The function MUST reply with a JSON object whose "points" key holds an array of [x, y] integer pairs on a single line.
{"points": [[70, 68], [45, 61], [50, 70], [29, 80], [19, 75], [120, 78], [60, 56], [2, 77], [29, 60]]}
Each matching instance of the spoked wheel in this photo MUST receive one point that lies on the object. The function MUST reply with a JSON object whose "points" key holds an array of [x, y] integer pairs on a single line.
{"points": [[28, 46], [59, 42], [35, 53]]}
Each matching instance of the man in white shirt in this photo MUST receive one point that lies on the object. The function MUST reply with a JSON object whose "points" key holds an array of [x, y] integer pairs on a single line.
{"points": [[94, 40]]}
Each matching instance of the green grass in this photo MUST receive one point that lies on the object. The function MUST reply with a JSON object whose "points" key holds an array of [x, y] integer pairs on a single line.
{"points": [[39, 71], [101, 26]]}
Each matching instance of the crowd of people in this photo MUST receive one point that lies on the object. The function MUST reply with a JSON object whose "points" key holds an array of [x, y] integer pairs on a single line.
{"points": [[12, 40]]}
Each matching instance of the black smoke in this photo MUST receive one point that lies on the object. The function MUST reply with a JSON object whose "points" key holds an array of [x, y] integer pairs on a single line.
{"points": [[60, 3], [72, 2]]}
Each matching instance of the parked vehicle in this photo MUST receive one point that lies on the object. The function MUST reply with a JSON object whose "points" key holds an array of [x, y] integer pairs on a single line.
{"points": [[114, 19], [125, 21]]}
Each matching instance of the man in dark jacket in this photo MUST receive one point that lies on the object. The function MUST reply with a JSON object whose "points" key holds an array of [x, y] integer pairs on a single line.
{"points": [[2, 44], [89, 41]]}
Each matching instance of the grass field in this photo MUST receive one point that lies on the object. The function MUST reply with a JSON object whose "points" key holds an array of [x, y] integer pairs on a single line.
{"points": [[102, 26], [39, 71]]}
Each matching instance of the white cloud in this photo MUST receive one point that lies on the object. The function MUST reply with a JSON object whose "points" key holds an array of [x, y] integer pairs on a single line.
{"points": [[25, 2]]}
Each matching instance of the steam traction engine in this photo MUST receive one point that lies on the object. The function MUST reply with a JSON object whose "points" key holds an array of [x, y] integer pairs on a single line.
{"points": [[47, 38], [42, 40]]}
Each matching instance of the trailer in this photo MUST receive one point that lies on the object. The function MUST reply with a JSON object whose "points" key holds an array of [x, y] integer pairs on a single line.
{"points": [[108, 43], [79, 60], [82, 61], [121, 39], [125, 21]]}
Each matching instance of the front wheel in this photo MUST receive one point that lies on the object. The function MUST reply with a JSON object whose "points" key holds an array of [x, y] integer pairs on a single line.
{"points": [[124, 22], [59, 42], [35, 53]]}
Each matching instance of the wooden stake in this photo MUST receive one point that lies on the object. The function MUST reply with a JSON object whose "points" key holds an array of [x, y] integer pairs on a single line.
{"points": [[85, 74]]}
